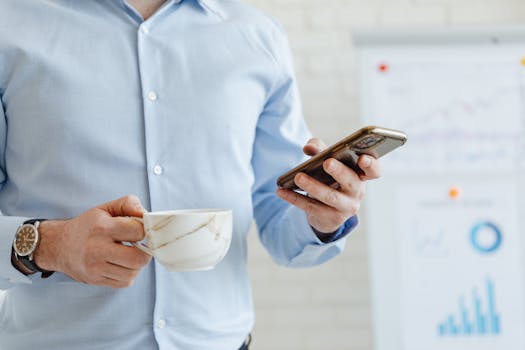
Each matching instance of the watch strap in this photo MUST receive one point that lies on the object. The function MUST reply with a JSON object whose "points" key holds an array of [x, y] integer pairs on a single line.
{"points": [[19, 265], [33, 221], [33, 267]]}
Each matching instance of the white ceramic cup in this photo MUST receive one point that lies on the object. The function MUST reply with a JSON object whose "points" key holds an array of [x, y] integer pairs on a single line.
{"points": [[187, 240]]}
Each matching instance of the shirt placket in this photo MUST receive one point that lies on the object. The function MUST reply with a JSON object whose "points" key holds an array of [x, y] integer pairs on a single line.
{"points": [[153, 96]]}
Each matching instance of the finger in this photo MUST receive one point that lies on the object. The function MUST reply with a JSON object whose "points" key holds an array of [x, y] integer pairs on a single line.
{"points": [[370, 166], [313, 146], [119, 273], [348, 180], [125, 229], [314, 209], [309, 205], [129, 205], [110, 282], [322, 192], [128, 257]]}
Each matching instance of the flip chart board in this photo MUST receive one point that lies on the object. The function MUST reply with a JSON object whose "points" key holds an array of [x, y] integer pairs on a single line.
{"points": [[445, 221]]}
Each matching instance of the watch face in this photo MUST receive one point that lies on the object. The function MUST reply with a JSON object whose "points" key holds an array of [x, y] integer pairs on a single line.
{"points": [[25, 241]]}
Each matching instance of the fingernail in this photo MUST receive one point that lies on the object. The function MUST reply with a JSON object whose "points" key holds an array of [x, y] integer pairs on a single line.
{"points": [[366, 161], [330, 165], [282, 193]]}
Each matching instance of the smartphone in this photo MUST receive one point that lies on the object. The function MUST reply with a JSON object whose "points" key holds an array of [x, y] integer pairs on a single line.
{"points": [[372, 140]]}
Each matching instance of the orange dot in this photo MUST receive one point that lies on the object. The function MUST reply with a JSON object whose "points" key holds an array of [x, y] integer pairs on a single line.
{"points": [[454, 192], [383, 67]]}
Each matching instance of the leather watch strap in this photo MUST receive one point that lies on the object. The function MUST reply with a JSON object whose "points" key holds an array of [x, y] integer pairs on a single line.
{"points": [[33, 221], [19, 265], [32, 266]]}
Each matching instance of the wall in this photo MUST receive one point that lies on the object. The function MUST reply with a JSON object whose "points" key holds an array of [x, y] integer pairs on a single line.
{"points": [[328, 307]]}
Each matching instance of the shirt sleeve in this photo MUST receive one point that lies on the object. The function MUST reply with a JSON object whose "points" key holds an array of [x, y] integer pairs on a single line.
{"points": [[280, 136], [9, 276]]}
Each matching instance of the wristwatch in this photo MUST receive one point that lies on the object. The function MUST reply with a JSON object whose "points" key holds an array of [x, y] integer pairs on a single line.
{"points": [[24, 245]]}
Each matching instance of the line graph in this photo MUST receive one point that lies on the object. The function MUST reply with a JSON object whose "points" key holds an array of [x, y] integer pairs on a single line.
{"points": [[460, 114]]}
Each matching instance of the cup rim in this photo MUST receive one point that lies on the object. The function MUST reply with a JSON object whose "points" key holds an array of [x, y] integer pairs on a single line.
{"points": [[187, 211]]}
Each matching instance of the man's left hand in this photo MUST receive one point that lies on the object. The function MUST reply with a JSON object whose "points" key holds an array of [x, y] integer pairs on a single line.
{"points": [[328, 208]]}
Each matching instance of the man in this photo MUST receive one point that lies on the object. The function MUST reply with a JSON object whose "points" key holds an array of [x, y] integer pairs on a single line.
{"points": [[184, 104]]}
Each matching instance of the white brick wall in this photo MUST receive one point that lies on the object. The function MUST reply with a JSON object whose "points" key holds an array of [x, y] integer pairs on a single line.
{"points": [[328, 307]]}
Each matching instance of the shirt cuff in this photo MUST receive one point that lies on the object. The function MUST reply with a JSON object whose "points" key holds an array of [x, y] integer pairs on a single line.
{"points": [[304, 248], [348, 226]]}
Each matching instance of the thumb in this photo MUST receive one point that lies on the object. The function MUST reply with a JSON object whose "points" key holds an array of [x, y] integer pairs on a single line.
{"points": [[129, 205]]}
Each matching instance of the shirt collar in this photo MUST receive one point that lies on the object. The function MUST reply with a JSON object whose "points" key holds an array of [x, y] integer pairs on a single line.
{"points": [[211, 5], [208, 5]]}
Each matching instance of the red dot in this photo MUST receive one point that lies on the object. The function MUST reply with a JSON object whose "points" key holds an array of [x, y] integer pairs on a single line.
{"points": [[383, 68]]}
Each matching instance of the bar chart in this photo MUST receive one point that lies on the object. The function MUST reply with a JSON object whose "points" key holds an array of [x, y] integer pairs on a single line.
{"points": [[475, 316]]}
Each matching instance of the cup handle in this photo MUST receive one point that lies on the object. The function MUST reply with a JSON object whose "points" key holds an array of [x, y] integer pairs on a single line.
{"points": [[140, 245], [143, 247]]}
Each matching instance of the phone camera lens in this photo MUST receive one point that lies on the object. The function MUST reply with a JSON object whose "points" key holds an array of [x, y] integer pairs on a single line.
{"points": [[367, 142]]}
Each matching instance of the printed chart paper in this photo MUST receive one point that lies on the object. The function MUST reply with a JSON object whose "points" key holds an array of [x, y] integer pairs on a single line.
{"points": [[462, 113], [460, 261]]}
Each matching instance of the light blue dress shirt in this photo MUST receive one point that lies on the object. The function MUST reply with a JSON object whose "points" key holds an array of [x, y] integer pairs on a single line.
{"points": [[197, 107]]}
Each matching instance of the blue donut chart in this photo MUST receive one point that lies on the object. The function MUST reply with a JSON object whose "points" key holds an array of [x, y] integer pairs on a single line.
{"points": [[493, 229]]}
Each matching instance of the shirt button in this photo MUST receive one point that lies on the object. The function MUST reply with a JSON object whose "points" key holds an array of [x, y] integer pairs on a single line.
{"points": [[152, 96], [161, 324], [157, 170], [144, 29]]}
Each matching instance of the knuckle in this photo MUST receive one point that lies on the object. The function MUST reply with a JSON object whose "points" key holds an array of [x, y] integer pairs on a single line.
{"points": [[354, 207], [130, 198], [361, 194], [309, 207], [331, 197], [99, 227]]}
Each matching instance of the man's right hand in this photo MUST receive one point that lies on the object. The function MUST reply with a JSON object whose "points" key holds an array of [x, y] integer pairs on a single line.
{"points": [[88, 247]]}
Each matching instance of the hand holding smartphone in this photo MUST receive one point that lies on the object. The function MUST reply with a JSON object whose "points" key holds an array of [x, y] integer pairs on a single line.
{"points": [[371, 140]]}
